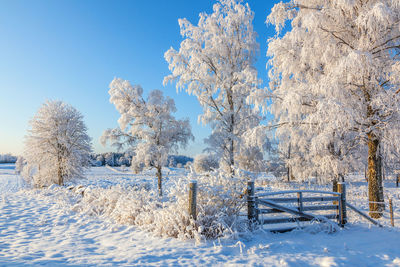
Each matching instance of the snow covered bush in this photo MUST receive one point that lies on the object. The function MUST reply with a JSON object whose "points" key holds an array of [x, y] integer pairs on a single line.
{"points": [[147, 125], [205, 163], [219, 203], [57, 147], [188, 166], [218, 206]]}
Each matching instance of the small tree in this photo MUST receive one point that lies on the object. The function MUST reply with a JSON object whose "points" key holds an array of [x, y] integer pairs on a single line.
{"points": [[215, 62], [57, 146], [147, 125]]}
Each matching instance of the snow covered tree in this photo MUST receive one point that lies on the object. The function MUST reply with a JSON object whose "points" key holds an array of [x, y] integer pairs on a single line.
{"points": [[335, 75], [19, 165], [148, 126], [109, 159], [215, 63], [57, 145], [205, 163], [251, 159]]}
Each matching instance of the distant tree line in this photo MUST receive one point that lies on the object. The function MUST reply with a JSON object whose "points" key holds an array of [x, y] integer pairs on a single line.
{"points": [[7, 158], [116, 159]]}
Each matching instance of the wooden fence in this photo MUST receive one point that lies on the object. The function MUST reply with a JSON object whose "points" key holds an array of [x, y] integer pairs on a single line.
{"points": [[300, 205], [304, 206], [297, 205]]}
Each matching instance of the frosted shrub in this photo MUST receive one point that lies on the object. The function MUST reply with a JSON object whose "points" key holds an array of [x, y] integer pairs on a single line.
{"points": [[205, 163], [188, 166], [218, 206], [123, 205]]}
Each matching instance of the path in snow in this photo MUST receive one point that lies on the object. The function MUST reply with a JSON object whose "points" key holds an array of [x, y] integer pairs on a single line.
{"points": [[38, 227]]}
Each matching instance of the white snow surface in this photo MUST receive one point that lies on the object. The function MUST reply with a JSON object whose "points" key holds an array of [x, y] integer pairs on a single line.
{"points": [[39, 227]]}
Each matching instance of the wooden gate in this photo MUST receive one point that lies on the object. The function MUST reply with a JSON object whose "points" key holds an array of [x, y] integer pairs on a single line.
{"points": [[286, 208]]}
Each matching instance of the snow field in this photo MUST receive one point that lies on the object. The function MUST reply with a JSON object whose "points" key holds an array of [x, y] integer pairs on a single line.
{"points": [[44, 227]]}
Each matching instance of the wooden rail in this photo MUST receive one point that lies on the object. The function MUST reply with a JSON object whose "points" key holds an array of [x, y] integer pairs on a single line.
{"points": [[299, 208], [363, 214]]}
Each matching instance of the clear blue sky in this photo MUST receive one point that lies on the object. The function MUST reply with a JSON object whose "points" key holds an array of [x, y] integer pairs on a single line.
{"points": [[70, 50]]}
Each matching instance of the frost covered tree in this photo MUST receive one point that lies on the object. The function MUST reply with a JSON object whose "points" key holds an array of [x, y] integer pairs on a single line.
{"points": [[19, 165], [147, 125], [205, 163], [57, 147], [251, 159], [215, 62], [335, 75]]}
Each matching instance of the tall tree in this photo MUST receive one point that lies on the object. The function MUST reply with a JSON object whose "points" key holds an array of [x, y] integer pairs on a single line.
{"points": [[57, 145], [336, 74], [147, 126], [215, 63]]}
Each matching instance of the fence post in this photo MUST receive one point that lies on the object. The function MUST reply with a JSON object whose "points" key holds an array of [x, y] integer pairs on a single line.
{"points": [[192, 199], [252, 213], [391, 212], [300, 201], [397, 180], [334, 189], [334, 185], [342, 204]]}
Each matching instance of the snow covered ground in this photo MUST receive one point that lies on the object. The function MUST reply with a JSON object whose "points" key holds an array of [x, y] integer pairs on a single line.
{"points": [[39, 227]]}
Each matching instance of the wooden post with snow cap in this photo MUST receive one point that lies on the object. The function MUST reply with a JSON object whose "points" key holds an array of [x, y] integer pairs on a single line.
{"points": [[192, 199], [334, 189], [251, 204], [342, 204]]}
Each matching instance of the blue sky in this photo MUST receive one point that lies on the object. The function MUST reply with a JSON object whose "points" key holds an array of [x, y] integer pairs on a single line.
{"points": [[70, 50]]}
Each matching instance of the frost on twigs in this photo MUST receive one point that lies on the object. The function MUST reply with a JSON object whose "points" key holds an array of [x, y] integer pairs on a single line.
{"points": [[218, 207], [146, 126], [334, 76], [57, 146], [215, 63], [205, 163]]}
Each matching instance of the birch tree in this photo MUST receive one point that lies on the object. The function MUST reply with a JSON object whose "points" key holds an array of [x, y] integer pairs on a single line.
{"points": [[147, 126], [215, 62], [335, 75], [57, 147]]}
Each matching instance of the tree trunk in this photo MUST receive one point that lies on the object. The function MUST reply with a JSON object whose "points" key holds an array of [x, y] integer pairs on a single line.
{"points": [[380, 181], [231, 157], [288, 166], [159, 177], [374, 181], [59, 171]]}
